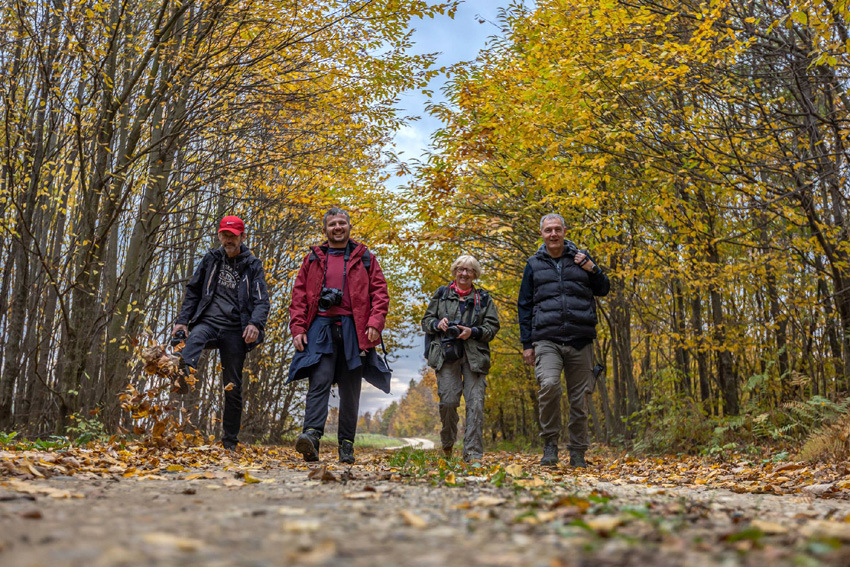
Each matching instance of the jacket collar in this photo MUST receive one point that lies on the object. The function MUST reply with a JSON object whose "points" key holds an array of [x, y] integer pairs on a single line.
{"points": [[355, 249], [543, 253], [243, 256]]}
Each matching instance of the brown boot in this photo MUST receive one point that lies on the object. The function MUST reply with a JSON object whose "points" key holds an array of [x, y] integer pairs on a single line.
{"points": [[447, 451]]}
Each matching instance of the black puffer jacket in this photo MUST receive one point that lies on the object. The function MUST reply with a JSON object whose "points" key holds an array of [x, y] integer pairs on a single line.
{"points": [[253, 296], [556, 299]]}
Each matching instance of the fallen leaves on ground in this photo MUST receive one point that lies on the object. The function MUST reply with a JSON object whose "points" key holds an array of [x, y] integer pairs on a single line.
{"points": [[504, 491]]}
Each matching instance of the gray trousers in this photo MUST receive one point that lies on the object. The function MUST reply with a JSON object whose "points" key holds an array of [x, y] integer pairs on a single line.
{"points": [[550, 360], [454, 378]]}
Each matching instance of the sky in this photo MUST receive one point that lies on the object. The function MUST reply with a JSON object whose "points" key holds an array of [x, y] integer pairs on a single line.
{"points": [[455, 40]]}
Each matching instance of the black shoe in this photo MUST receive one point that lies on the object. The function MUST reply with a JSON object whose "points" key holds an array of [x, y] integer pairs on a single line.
{"points": [[550, 454], [346, 452], [577, 459], [230, 445], [308, 445]]}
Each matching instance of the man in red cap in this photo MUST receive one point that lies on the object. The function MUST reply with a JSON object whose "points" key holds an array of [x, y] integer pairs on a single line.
{"points": [[226, 307]]}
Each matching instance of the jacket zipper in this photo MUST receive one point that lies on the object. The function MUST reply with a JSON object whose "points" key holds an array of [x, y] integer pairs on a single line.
{"points": [[209, 281], [259, 295]]}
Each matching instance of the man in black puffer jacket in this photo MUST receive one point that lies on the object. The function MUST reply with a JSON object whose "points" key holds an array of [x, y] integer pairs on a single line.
{"points": [[226, 307], [557, 322]]}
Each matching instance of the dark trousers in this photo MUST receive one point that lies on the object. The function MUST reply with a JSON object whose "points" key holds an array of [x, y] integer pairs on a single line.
{"points": [[231, 350], [333, 369]]}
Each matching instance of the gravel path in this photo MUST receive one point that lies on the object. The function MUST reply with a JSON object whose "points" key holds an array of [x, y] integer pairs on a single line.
{"points": [[366, 516], [419, 443]]}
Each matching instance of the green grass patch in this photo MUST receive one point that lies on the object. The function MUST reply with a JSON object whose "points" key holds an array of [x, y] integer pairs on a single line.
{"points": [[376, 441]]}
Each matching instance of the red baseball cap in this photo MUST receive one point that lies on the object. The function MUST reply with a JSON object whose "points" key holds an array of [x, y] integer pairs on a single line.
{"points": [[233, 224]]}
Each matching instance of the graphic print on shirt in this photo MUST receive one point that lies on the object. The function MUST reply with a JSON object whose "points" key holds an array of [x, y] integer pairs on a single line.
{"points": [[228, 277]]}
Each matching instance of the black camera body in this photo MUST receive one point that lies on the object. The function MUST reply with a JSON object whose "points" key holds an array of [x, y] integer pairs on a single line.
{"points": [[571, 251], [330, 297], [178, 337], [453, 331]]}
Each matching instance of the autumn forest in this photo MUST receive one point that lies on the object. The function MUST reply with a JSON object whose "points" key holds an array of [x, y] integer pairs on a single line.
{"points": [[697, 149]]}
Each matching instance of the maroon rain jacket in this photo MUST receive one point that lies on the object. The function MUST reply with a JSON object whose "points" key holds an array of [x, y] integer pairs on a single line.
{"points": [[367, 288]]}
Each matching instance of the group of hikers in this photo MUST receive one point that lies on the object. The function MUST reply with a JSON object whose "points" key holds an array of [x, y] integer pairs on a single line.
{"points": [[338, 311]]}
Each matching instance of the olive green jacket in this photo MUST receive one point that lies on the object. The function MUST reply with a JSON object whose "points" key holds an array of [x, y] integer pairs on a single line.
{"points": [[480, 314]]}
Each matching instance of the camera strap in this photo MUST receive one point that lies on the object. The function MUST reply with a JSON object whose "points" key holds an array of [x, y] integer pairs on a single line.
{"points": [[345, 259], [461, 308]]}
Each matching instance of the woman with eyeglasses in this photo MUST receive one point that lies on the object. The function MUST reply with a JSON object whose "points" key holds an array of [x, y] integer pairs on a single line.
{"points": [[459, 324]]}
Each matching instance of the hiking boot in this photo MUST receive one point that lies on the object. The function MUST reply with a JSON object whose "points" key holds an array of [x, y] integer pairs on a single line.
{"points": [[550, 454], [308, 445], [577, 459], [230, 445], [346, 452], [472, 458], [447, 452]]}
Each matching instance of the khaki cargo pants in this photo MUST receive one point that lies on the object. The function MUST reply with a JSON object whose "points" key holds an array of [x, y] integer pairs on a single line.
{"points": [[454, 379], [550, 360]]}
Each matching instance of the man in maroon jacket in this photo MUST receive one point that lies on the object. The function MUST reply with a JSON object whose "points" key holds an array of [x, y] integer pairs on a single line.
{"points": [[339, 307]]}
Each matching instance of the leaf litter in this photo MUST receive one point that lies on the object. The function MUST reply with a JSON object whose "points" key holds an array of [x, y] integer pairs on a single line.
{"points": [[733, 512]]}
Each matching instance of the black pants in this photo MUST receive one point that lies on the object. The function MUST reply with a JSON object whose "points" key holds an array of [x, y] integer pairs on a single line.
{"points": [[231, 350], [331, 369]]}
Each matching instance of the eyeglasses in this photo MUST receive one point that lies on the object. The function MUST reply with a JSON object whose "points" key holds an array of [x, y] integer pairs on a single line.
{"points": [[465, 271]]}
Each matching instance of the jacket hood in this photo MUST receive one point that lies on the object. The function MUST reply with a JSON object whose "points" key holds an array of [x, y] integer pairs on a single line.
{"points": [[545, 253], [244, 253], [355, 249]]}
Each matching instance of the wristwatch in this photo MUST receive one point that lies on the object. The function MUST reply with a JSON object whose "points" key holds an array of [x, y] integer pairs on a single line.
{"points": [[595, 269]]}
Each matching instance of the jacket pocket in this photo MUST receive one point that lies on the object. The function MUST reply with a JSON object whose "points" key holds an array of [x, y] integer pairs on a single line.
{"points": [[435, 353]]}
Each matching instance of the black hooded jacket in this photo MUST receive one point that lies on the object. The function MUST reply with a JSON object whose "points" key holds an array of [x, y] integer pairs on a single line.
{"points": [[253, 295], [556, 299]]}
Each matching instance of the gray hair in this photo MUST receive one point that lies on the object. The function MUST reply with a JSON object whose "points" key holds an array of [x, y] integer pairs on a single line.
{"points": [[467, 261], [550, 216], [332, 212]]}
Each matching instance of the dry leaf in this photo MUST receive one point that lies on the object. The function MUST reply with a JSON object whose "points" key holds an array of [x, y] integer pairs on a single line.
{"points": [[364, 495], [168, 540], [301, 526], [535, 482], [196, 476], [769, 528], [488, 501], [323, 474], [824, 529], [250, 479], [413, 520], [230, 386], [514, 470], [604, 524]]}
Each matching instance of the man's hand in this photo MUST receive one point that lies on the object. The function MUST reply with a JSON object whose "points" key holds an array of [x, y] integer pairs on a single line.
{"points": [[250, 334], [443, 324], [465, 332], [372, 334], [588, 264], [300, 342], [177, 328], [528, 356]]}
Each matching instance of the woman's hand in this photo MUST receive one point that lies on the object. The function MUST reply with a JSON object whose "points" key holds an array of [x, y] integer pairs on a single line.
{"points": [[443, 325], [465, 333]]}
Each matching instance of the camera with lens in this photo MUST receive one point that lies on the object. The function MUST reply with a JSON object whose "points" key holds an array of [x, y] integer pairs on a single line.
{"points": [[453, 331], [571, 251], [329, 297], [178, 337]]}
